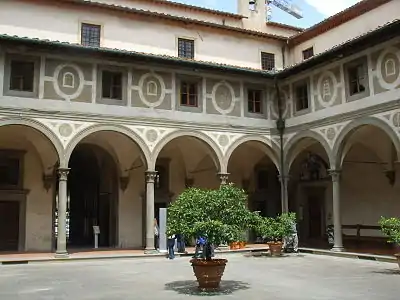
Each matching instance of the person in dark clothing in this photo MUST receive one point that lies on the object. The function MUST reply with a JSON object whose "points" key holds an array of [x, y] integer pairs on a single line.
{"points": [[180, 239], [171, 245]]}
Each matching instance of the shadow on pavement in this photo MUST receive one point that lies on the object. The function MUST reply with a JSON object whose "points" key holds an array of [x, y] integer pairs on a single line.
{"points": [[388, 272], [190, 287]]}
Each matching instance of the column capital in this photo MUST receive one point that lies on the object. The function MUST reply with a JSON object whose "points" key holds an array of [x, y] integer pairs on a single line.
{"points": [[151, 176], [223, 177], [63, 173], [335, 174]]}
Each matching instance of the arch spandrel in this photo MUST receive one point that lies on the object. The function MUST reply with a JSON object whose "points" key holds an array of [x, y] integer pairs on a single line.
{"points": [[340, 148], [216, 152], [118, 129], [40, 127], [291, 151], [271, 149]]}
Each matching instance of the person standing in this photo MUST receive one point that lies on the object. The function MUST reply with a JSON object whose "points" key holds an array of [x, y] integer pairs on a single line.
{"points": [[180, 239], [171, 246], [156, 235]]}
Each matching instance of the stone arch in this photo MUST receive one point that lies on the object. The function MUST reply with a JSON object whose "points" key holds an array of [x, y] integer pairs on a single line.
{"points": [[290, 153], [112, 128], [350, 128], [271, 150], [43, 129], [199, 135]]}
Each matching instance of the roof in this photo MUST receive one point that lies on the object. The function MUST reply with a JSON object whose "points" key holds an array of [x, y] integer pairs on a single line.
{"points": [[285, 26], [355, 45], [195, 8], [182, 20], [336, 20]]}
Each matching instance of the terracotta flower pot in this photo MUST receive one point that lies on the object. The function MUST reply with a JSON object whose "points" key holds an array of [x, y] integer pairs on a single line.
{"points": [[242, 245], [275, 248], [208, 273], [398, 258]]}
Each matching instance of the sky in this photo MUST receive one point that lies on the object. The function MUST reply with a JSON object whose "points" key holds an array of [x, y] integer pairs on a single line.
{"points": [[314, 11]]}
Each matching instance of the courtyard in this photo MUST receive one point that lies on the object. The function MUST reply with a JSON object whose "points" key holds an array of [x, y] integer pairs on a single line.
{"points": [[291, 277]]}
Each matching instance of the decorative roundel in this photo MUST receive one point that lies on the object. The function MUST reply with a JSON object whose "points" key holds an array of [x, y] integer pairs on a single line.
{"points": [[151, 82], [327, 89], [388, 68], [66, 86], [65, 130], [274, 104], [223, 140], [223, 97], [151, 135], [396, 120]]}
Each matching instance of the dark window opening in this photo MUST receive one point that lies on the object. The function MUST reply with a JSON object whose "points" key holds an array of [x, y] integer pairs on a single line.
{"points": [[301, 97], [262, 180], [267, 61], [254, 101], [357, 77], [90, 35], [189, 96], [9, 171], [186, 48], [308, 53], [112, 85], [22, 76]]}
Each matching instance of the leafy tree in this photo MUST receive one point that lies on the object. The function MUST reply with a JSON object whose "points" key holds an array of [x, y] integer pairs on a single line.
{"points": [[219, 215], [391, 228], [275, 229]]}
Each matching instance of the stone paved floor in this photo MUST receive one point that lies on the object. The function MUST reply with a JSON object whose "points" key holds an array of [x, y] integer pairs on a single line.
{"points": [[288, 278]]}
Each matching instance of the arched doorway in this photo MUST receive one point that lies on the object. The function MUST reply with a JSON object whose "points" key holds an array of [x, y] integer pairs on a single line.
{"points": [[93, 195], [310, 188], [29, 156], [367, 156], [252, 166]]}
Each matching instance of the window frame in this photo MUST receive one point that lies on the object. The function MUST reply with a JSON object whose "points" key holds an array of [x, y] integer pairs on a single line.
{"points": [[264, 58], [296, 86], [124, 85], [188, 82], [254, 101], [362, 61], [193, 44], [112, 85], [307, 51], [7, 91], [82, 24]]}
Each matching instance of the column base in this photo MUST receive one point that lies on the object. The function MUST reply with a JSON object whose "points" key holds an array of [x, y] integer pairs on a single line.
{"points": [[63, 254], [337, 249], [151, 251]]}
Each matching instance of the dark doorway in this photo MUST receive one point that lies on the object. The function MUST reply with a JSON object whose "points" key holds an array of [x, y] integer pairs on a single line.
{"points": [[9, 225], [315, 203], [92, 197]]}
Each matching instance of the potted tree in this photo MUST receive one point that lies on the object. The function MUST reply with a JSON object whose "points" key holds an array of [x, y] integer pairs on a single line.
{"points": [[218, 215], [391, 228], [274, 230]]}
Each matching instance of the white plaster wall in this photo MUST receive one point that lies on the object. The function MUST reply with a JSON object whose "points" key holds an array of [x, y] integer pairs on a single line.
{"points": [[349, 30], [32, 20], [177, 11]]}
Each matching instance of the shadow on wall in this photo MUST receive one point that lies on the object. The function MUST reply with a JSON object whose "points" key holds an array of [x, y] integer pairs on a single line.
{"points": [[190, 287]]}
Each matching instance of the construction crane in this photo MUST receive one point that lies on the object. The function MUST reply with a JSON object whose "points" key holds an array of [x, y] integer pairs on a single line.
{"points": [[285, 5]]}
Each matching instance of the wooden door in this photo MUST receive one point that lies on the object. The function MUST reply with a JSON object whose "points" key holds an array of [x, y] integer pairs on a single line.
{"points": [[9, 225], [315, 216]]}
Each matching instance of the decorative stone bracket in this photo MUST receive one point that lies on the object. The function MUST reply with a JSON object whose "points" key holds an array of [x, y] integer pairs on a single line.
{"points": [[48, 180], [124, 182], [391, 176]]}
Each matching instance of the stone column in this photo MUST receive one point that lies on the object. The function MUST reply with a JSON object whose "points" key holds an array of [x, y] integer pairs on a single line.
{"points": [[223, 177], [337, 223], [62, 213], [284, 180], [150, 180]]}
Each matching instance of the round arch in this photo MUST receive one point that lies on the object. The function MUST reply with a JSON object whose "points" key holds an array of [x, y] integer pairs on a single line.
{"points": [[270, 150], [350, 128], [201, 136], [111, 128], [41, 128], [289, 150]]}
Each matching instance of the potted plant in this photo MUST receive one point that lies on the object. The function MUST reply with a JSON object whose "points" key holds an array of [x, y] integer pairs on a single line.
{"points": [[274, 230], [218, 215], [391, 228]]}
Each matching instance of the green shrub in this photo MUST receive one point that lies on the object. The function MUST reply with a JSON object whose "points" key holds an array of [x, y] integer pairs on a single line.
{"points": [[391, 228]]}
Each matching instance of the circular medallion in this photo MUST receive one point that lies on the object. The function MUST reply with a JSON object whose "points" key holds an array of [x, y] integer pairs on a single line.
{"points": [[331, 133], [66, 87], [327, 89], [65, 130], [223, 140], [388, 69], [150, 82], [396, 120], [151, 135], [223, 97]]}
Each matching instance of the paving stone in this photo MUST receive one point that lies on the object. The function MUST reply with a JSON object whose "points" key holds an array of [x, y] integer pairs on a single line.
{"points": [[292, 277]]}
